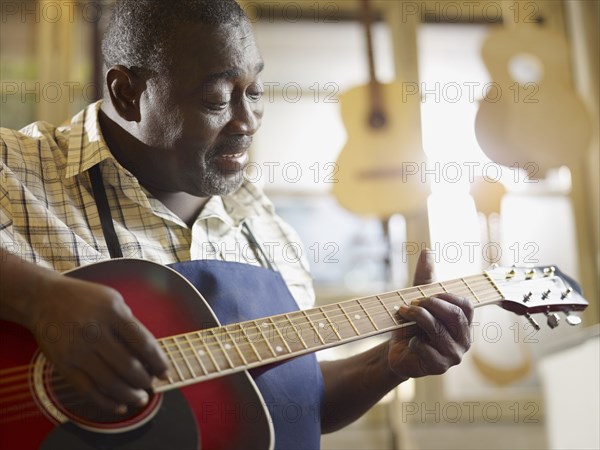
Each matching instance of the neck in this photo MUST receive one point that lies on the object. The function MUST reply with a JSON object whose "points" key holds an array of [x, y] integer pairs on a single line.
{"points": [[183, 205]]}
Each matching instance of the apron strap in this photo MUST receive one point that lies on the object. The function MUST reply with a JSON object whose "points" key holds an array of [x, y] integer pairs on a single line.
{"points": [[108, 228]]}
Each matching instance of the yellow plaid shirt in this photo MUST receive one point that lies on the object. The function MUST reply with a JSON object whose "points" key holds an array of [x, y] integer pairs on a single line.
{"points": [[48, 215]]}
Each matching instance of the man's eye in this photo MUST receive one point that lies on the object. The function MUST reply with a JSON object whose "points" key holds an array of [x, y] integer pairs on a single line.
{"points": [[217, 106], [255, 95]]}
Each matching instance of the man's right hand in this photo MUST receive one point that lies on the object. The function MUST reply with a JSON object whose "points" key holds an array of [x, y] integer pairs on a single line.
{"points": [[105, 352], [86, 330]]}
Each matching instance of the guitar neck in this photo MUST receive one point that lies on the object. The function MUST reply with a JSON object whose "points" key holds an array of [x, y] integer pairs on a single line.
{"points": [[377, 111], [219, 351]]}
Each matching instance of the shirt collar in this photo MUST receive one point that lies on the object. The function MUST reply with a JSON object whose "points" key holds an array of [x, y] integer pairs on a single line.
{"points": [[87, 146], [247, 202]]}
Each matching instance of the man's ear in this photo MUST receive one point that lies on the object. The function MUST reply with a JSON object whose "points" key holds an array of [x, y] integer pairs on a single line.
{"points": [[125, 89]]}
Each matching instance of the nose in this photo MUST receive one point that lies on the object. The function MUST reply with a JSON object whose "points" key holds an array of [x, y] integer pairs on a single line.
{"points": [[246, 117]]}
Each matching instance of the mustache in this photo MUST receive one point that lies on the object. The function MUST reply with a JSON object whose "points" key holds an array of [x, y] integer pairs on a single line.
{"points": [[232, 145]]}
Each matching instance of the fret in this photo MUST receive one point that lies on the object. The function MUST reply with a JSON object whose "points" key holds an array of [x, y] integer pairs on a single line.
{"points": [[207, 351], [184, 357], [235, 335], [367, 314], [280, 339], [252, 346], [173, 362], [443, 287], [395, 322], [472, 291], [334, 326], [490, 281], [411, 294], [305, 329], [261, 328], [342, 325], [310, 322], [231, 347], [401, 298], [287, 316], [221, 347], [196, 355], [327, 329], [421, 291], [289, 337], [432, 287], [362, 322], [348, 319], [167, 353], [390, 299]]}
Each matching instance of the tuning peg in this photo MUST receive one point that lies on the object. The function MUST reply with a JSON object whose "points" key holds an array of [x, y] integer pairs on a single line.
{"points": [[545, 294], [511, 273], [549, 271], [529, 274], [553, 320], [527, 297], [532, 321], [566, 293], [572, 320]]}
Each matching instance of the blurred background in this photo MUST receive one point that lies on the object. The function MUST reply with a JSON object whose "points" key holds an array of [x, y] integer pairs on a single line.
{"points": [[495, 159]]}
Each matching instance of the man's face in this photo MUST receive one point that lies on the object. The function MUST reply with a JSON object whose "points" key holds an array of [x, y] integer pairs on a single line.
{"points": [[198, 120]]}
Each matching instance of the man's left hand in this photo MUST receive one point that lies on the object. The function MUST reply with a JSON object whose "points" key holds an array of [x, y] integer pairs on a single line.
{"points": [[442, 332]]}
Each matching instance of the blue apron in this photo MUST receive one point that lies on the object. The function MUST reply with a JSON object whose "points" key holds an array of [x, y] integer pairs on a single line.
{"points": [[237, 292]]}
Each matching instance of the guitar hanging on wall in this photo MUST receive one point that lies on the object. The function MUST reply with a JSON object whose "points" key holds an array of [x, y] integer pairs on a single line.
{"points": [[207, 375], [379, 169], [532, 117]]}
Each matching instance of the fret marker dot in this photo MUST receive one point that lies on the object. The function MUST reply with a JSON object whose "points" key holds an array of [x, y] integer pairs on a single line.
{"points": [[227, 346], [396, 308], [201, 352], [321, 325], [357, 316], [265, 325], [279, 349]]}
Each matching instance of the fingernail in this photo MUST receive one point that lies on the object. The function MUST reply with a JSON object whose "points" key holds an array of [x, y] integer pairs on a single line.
{"points": [[121, 409], [404, 309], [415, 302], [412, 343], [143, 398], [163, 376]]}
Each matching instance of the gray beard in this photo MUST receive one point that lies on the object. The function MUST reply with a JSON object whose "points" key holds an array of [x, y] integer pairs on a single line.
{"points": [[215, 183]]}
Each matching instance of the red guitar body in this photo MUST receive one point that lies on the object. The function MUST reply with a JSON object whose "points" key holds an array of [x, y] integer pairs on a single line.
{"points": [[223, 413]]}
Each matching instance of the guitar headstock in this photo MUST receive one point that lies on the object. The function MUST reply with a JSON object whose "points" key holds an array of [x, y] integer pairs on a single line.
{"points": [[530, 290]]}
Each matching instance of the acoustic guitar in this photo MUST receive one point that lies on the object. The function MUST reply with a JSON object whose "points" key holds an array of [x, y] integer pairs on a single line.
{"points": [[209, 400], [532, 117], [380, 167]]}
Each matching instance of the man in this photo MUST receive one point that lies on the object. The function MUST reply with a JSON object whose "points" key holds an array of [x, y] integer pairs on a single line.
{"points": [[181, 102]]}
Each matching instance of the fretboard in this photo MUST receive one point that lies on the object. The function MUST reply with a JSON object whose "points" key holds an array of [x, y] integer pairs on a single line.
{"points": [[219, 351]]}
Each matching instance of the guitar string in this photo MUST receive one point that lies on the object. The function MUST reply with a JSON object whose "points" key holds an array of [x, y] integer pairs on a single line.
{"points": [[58, 388], [310, 326], [376, 298], [322, 313], [189, 353], [72, 393], [397, 325], [348, 308]]}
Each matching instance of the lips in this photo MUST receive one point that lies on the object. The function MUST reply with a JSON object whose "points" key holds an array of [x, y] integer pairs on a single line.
{"points": [[232, 162]]}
